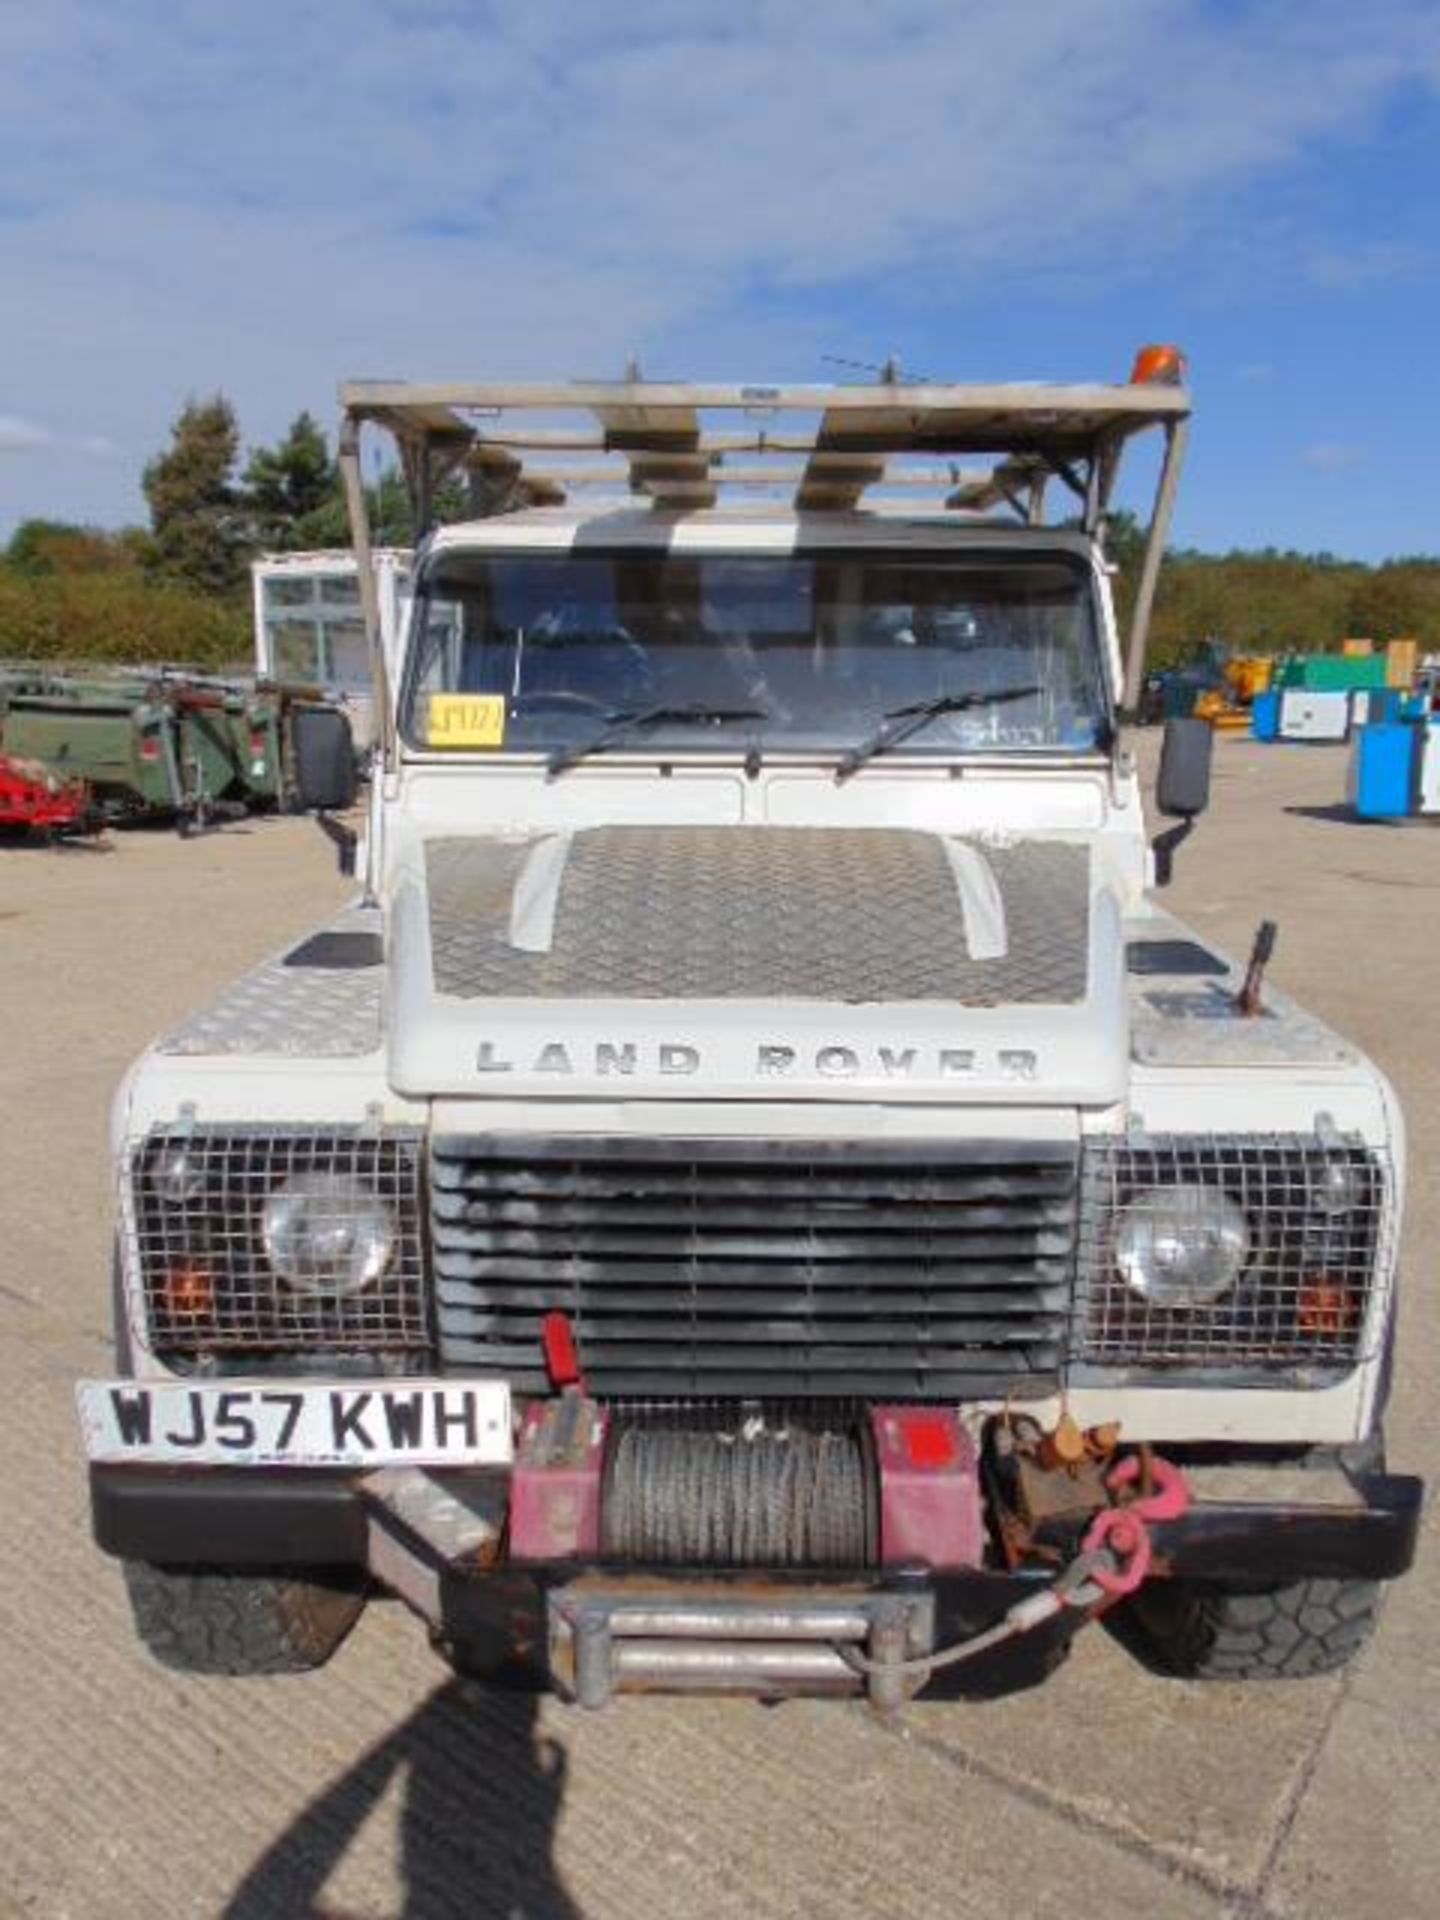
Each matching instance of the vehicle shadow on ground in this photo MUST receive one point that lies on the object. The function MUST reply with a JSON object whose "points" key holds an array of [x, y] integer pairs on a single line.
{"points": [[27, 840], [481, 1798], [1341, 813]]}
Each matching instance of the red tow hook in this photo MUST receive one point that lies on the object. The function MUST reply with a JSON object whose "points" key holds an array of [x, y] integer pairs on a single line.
{"points": [[562, 1358], [1122, 1531]]}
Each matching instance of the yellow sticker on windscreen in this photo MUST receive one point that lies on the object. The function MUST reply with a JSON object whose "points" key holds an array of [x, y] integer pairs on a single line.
{"points": [[466, 720]]}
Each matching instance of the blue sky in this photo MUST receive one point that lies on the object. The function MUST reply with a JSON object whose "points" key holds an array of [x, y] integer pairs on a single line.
{"points": [[266, 198]]}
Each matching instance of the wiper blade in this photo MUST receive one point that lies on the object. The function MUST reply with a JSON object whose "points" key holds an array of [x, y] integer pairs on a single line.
{"points": [[898, 723], [620, 725]]}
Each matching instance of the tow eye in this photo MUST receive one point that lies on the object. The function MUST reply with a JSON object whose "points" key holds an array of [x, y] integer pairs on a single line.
{"points": [[1119, 1537]]}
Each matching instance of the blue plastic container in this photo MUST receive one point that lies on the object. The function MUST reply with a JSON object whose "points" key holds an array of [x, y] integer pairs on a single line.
{"points": [[1372, 705], [1382, 771], [1265, 716]]}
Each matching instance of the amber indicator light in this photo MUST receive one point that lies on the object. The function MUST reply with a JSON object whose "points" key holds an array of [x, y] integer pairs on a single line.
{"points": [[1326, 1306]]}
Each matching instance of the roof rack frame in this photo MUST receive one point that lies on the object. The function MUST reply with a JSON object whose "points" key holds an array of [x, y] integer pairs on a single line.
{"points": [[865, 439]]}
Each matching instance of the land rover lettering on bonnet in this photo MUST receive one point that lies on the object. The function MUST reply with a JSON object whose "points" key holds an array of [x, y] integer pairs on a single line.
{"points": [[771, 1060], [756, 1193]]}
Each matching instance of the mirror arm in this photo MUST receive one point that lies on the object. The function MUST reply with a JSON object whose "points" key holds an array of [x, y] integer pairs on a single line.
{"points": [[344, 839], [1163, 847]]}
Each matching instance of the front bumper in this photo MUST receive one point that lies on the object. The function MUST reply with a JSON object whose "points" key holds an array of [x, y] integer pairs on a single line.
{"points": [[527, 1623], [257, 1517]]}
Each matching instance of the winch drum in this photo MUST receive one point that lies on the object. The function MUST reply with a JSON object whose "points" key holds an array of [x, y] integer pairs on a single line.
{"points": [[753, 1492]]}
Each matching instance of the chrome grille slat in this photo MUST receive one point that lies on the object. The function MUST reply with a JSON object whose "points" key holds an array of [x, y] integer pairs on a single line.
{"points": [[852, 1302], [911, 1270], [658, 1216], [668, 1183], [549, 1252]]}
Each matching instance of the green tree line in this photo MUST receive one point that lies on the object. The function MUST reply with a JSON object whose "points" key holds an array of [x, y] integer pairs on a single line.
{"points": [[1269, 602], [177, 589]]}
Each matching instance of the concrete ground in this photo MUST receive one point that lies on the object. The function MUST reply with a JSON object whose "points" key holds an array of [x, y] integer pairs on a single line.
{"points": [[382, 1786]]}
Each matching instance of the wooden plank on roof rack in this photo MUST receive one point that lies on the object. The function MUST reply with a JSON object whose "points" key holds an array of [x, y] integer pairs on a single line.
{"points": [[1059, 422], [834, 479], [666, 485], [679, 470], [930, 479], [494, 460], [670, 475], [634, 440], [1088, 405], [407, 422], [1007, 484]]}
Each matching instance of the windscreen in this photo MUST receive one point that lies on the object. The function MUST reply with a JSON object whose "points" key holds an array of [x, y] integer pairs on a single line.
{"points": [[807, 652]]}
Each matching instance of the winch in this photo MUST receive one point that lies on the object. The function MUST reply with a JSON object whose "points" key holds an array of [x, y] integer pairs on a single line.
{"points": [[837, 1490], [755, 1491], [848, 1519]]}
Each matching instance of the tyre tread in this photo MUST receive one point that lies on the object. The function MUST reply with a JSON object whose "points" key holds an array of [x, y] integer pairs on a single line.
{"points": [[195, 1620], [1293, 1632]]}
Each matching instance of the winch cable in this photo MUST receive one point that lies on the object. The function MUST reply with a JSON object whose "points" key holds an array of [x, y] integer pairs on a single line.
{"points": [[1114, 1561], [762, 1496], [1075, 1589]]}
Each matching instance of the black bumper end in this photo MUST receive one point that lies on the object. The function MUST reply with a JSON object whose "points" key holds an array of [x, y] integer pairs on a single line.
{"points": [[228, 1516], [1258, 1545]]}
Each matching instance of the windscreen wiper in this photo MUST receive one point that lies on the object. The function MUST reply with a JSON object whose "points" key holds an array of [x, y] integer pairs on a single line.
{"points": [[900, 722], [625, 721]]}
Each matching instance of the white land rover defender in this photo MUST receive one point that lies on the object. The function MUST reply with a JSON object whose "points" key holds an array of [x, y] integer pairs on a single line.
{"points": [[756, 1194]]}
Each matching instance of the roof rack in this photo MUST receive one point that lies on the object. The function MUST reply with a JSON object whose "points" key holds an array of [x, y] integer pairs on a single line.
{"points": [[829, 448]]}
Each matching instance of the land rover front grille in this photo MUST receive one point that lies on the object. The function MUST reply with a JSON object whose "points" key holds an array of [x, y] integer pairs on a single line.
{"points": [[1317, 1213], [765, 1269], [194, 1208]]}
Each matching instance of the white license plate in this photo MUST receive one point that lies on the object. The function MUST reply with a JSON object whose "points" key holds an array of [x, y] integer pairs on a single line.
{"points": [[279, 1423]]}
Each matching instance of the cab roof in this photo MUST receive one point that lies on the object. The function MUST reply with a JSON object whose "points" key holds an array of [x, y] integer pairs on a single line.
{"points": [[604, 524]]}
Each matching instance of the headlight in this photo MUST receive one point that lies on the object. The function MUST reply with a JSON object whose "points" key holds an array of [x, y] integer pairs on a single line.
{"points": [[1181, 1246], [177, 1174], [1338, 1187], [327, 1233]]}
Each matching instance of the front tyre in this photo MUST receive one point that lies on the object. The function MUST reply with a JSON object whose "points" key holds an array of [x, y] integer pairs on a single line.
{"points": [[200, 1620], [1280, 1633]]}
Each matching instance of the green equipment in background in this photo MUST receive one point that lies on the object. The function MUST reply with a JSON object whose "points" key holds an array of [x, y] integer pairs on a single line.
{"points": [[1334, 672], [162, 745]]}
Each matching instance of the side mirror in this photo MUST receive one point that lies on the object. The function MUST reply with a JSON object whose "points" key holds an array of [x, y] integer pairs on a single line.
{"points": [[324, 759], [1182, 787]]}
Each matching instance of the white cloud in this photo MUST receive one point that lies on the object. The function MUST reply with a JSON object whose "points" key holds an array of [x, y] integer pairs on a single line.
{"points": [[19, 436], [1366, 263], [266, 198], [1335, 456], [30, 436]]}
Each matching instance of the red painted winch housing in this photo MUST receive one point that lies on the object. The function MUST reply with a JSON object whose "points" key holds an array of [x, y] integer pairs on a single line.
{"points": [[911, 1474]]}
